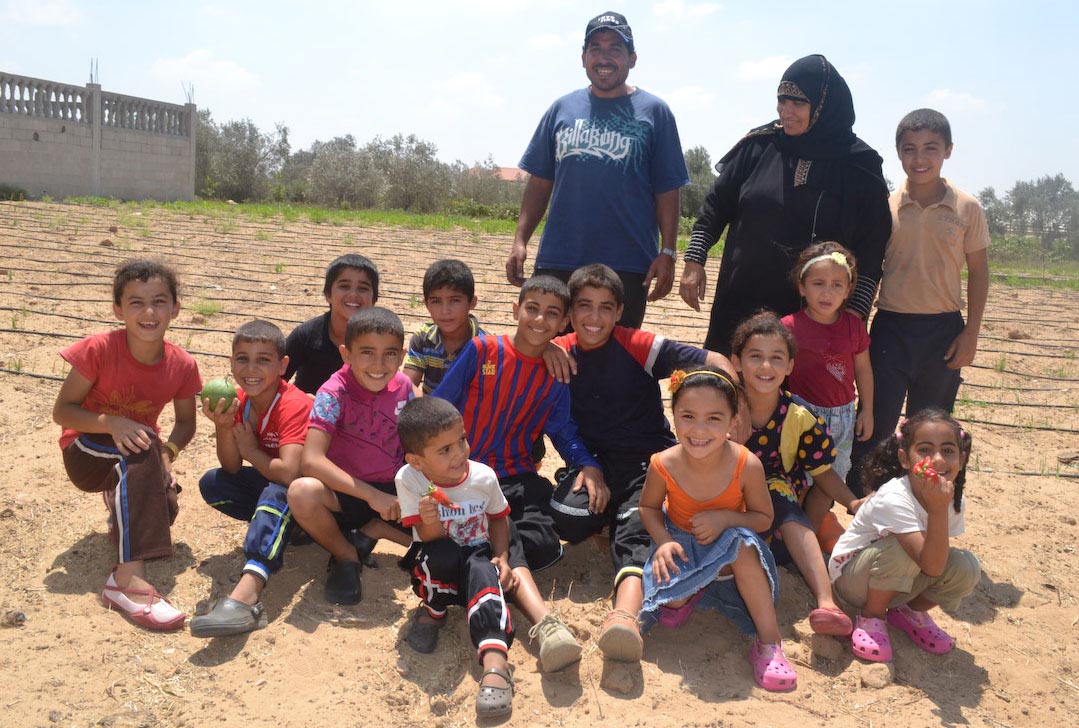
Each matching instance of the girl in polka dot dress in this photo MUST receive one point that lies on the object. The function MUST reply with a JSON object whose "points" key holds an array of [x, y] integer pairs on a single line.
{"points": [[792, 443]]}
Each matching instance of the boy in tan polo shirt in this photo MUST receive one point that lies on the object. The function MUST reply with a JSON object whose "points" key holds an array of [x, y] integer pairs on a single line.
{"points": [[920, 342]]}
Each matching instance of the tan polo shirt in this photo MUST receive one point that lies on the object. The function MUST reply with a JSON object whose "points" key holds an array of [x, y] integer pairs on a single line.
{"points": [[924, 258]]}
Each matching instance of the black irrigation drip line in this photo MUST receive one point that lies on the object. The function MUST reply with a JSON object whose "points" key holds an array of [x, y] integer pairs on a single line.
{"points": [[52, 334], [332, 235], [56, 335], [1020, 353], [1014, 426], [31, 311], [1012, 389], [1024, 374], [95, 260], [185, 328], [1020, 322], [1044, 343], [34, 375], [409, 316], [1035, 473], [987, 403]]}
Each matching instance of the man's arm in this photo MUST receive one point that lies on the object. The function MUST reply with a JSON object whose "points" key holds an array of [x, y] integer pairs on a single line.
{"points": [[668, 208], [533, 205]]}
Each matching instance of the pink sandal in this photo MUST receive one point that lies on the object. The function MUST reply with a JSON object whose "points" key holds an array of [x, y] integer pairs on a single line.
{"points": [[870, 641], [770, 668], [673, 617], [830, 620], [921, 628], [158, 614]]}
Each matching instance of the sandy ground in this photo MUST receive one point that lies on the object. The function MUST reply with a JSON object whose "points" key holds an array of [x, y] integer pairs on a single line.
{"points": [[72, 663]]}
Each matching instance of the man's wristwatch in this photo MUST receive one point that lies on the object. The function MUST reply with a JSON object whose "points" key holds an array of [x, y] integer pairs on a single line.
{"points": [[669, 251]]}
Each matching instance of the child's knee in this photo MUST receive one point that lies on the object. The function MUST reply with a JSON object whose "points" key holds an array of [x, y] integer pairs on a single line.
{"points": [[962, 572], [304, 494]]}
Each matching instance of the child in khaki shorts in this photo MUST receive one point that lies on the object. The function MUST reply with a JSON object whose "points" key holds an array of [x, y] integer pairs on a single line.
{"points": [[895, 562]]}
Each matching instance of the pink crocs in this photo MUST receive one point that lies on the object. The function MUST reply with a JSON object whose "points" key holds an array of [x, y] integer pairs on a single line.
{"points": [[921, 628], [770, 667], [869, 640], [673, 617]]}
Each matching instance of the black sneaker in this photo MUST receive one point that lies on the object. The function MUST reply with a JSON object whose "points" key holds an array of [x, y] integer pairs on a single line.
{"points": [[365, 545], [343, 582], [423, 636]]}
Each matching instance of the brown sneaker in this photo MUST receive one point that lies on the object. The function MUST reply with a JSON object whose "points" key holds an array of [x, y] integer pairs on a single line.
{"points": [[620, 637], [558, 648]]}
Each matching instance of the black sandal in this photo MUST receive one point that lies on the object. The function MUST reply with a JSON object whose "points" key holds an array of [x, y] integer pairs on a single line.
{"points": [[495, 702]]}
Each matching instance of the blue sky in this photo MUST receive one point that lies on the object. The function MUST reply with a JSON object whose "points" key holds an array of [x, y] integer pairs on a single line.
{"points": [[474, 76]]}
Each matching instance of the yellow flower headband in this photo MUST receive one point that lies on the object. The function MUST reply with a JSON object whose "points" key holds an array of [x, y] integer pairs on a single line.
{"points": [[678, 378], [835, 256]]}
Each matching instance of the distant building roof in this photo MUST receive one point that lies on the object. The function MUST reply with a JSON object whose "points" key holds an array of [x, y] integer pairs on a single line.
{"points": [[512, 174]]}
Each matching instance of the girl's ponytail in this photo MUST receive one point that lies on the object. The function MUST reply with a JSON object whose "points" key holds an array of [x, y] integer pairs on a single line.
{"points": [[882, 464]]}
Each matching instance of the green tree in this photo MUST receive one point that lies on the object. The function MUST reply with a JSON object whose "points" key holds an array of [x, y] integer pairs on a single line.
{"points": [[996, 211], [1045, 207], [342, 175], [701, 176], [235, 161], [414, 178]]}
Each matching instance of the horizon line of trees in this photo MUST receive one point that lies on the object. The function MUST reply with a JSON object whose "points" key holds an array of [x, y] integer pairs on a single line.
{"points": [[237, 161]]}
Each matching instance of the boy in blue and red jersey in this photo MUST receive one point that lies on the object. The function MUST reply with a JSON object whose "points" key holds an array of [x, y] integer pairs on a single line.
{"points": [[507, 398]]}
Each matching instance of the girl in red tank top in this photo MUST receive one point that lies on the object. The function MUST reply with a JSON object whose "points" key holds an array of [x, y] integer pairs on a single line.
{"points": [[704, 500]]}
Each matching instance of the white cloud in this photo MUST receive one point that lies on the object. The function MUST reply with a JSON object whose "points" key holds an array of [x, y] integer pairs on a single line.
{"points": [[689, 98], [957, 100], [40, 13], [547, 41], [681, 9], [201, 66], [466, 93], [765, 69], [219, 12]]}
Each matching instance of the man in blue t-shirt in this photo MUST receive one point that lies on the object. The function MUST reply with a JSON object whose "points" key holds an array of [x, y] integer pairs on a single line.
{"points": [[608, 160]]}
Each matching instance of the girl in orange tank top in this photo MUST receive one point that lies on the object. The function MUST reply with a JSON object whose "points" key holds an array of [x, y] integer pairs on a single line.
{"points": [[704, 500]]}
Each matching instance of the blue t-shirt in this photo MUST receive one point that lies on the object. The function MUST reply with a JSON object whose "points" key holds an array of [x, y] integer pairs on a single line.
{"points": [[608, 158]]}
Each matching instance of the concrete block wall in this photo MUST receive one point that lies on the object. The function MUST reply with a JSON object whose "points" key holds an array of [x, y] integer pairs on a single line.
{"points": [[65, 140]]}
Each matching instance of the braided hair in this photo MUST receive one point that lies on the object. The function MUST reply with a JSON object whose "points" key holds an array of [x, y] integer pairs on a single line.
{"points": [[883, 463]]}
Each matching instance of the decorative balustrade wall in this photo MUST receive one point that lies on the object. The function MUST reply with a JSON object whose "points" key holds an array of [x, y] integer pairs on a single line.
{"points": [[64, 140]]}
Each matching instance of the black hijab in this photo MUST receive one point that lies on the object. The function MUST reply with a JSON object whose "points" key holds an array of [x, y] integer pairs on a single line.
{"points": [[831, 117]]}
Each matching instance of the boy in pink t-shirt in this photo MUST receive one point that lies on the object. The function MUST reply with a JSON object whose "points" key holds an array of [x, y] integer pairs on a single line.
{"points": [[108, 405], [352, 451]]}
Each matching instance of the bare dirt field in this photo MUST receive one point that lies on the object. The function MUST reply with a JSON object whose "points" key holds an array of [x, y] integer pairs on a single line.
{"points": [[72, 663]]}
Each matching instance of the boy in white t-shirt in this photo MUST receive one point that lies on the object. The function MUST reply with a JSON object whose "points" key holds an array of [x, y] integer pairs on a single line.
{"points": [[460, 555]]}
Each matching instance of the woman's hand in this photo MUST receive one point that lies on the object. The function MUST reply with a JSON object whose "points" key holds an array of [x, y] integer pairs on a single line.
{"points": [[694, 284]]}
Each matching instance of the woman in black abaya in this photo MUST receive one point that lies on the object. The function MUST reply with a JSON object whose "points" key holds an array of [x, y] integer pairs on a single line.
{"points": [[801, 179]]}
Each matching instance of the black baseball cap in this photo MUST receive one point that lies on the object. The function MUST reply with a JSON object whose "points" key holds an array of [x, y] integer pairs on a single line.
{"points": [[610, 21]]}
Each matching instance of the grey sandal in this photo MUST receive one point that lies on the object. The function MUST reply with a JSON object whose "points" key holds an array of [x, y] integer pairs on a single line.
{"points": [[229, 616], [495, 702]]}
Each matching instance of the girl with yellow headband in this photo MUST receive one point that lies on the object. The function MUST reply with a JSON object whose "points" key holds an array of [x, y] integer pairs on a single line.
{"points": [[832, 371], [704, 500]]}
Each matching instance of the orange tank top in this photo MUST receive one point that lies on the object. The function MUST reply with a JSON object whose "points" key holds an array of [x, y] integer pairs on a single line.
{"points": [[681, 507]]}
